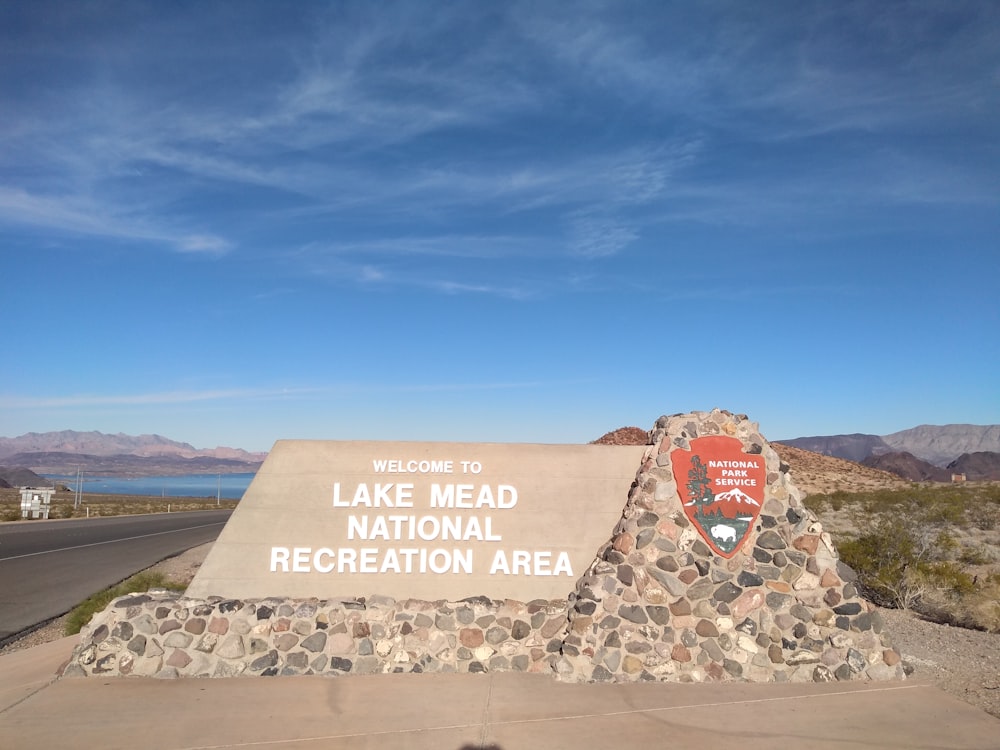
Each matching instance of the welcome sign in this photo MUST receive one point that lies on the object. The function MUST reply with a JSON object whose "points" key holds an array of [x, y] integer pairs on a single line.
{"points": [[421, 520]]}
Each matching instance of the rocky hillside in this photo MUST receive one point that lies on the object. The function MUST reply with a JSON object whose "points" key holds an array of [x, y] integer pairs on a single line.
{"points": [[816, 474], [624, 436], [812, 473], [853, 447], [940, 444], [908, 466], [14, 476], [979, 466]]}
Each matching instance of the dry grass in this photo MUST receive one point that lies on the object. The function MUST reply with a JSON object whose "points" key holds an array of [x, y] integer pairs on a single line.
{"points": [[108, 505]]}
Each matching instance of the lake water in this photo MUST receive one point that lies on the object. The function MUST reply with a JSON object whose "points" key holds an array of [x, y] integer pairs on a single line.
{"points": [[229, 486]]}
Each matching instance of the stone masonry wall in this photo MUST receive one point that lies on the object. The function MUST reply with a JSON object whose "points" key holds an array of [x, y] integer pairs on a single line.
{"points": [[162, 635], [656, 604]]}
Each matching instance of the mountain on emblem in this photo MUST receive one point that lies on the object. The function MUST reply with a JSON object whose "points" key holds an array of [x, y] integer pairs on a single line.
{"points": [[736, 495], [716, 483]]}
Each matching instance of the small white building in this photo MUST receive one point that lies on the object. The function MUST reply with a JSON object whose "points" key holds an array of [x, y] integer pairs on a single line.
{"points": [[36, 501]]}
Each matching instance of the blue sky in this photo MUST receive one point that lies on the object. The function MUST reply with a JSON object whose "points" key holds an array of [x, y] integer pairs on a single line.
{"points": [[231, 223]]}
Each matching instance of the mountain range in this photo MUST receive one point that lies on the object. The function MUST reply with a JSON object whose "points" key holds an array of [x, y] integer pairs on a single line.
{"points": [[925, 453], [936, 444], [120, 455]]}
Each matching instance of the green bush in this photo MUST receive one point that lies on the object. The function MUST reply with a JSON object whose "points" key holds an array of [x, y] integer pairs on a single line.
{"points": [[901, 559], [886, 558]]}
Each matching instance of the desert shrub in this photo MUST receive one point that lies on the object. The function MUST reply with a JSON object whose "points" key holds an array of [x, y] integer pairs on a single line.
{"points": [[974, 556], [985, 517], [947, 544], [815, 503], [835, 500], [947, 578], [887, 557], [83, 612], [62, 510], [974, 604], [946, 509], [954, 504], [906, 561], [900, 559]]}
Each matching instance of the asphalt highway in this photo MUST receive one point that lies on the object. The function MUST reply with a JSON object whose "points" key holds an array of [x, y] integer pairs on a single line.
{"points": [[48, 567]]}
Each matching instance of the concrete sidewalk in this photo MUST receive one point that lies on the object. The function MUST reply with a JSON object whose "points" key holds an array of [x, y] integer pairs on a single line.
{"points": [[461, 712]]}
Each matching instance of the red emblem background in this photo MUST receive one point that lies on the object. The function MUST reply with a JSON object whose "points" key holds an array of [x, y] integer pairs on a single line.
{"points": [[722, 502]]}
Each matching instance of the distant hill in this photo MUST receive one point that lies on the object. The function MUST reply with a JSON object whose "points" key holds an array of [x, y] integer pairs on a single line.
{"points": [[908, 466], [935, 444], [853, 447], [979, 466], [623, 436], [120, 455], [814, 473], [940, 444], [15, 476]]}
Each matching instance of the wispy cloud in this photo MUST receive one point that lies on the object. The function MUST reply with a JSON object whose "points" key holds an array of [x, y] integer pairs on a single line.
{"points": [[145, 399], [402, 117], [83, 216], [433, 263], [395, 275], [449, 246], [179, 398], [595, 237]]}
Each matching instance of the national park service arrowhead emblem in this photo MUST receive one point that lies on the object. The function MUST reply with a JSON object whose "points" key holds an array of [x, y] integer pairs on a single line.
{"points": [[721, 489]]}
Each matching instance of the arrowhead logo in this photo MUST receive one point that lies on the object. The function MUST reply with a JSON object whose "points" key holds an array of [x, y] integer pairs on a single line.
{"points": [[721, 489]]}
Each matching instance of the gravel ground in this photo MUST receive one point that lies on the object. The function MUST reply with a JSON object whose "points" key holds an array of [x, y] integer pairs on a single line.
{"points": [[963, 663]]}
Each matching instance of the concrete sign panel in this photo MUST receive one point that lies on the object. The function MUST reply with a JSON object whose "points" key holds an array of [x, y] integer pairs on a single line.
{"points": [[420, 520]]}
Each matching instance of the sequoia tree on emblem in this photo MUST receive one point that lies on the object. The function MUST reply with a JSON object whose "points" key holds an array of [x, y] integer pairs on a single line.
{"points": [[721, 489]]}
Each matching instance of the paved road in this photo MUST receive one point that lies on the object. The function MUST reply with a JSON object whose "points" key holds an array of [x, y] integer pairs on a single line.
{"points": [[48, 567]]}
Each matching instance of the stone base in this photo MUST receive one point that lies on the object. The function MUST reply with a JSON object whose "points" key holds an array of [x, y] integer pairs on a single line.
{"points": [[160, 634]]}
